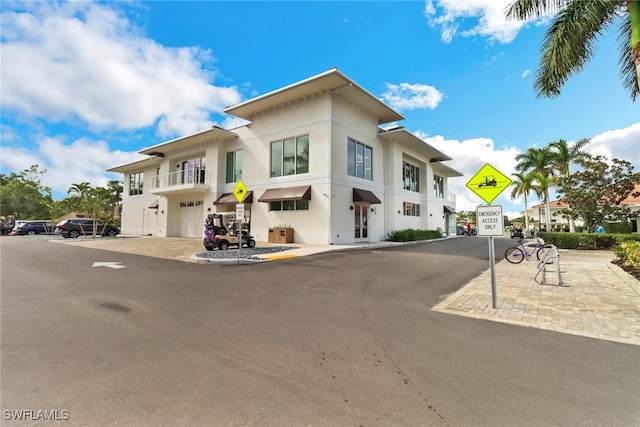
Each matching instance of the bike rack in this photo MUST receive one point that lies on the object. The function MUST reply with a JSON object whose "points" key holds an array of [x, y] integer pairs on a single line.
{"points": [[549, 253]]}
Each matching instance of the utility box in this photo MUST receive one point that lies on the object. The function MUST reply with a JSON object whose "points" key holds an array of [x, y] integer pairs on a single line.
{"points": [[280, 235]]}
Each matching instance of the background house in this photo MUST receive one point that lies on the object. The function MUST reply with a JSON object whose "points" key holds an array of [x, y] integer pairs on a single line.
{"points": [[313, 157]]}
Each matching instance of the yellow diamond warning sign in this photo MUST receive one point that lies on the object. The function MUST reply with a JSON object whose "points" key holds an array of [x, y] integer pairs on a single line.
{"points": [[240, 191], [488, 183]]}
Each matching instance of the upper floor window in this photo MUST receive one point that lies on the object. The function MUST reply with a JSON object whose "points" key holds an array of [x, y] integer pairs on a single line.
{"points": [[290, 156], [359, 160], [136, 181], [438, 186], [234, 166], [411, 178]]}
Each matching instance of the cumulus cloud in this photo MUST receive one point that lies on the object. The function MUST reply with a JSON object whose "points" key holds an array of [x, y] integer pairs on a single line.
{"points": [[88, 62], [407, 96], [470, 18], [63, 164], [470, 155]]}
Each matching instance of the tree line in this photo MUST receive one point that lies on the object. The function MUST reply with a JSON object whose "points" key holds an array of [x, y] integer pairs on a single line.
{"points": [[593, 193], [23, 196]]}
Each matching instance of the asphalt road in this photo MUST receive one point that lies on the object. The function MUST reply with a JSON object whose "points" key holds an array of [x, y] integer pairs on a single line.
{"points": [[337, 339]]}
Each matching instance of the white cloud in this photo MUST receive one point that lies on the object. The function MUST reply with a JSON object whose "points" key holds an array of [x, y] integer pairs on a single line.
{"points": [[80, 60], [63, 163], [525, 73], [470, 155], [407, 96], [487, 17]]}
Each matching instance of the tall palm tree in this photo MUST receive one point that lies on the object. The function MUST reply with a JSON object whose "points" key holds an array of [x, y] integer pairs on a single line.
{"points": [[563, 155], [522, 185], [540, 161], [569, 42]]}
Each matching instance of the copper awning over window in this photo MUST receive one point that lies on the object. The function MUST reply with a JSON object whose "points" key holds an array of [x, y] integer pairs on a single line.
{"points": [[289, 193], [449, 210], [230, 198], [365, 196]]}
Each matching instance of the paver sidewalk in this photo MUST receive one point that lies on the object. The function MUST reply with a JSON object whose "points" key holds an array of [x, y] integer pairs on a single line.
{"points": [[597, 299]]}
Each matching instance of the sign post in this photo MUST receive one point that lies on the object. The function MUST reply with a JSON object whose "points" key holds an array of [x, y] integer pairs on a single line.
{"points": [[488, 183], [240, 192]]}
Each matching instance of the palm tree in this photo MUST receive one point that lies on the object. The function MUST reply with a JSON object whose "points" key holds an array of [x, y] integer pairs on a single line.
{"points": [[80, 189], [522, 185], [568, 42], [115, 189], [565, 154], [539, 160]]}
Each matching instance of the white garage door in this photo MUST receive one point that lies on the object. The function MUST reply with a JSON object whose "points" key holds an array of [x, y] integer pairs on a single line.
{"points": [[190, 221]]}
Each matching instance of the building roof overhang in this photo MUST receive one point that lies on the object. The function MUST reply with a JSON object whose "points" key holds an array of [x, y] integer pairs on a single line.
{"points": [[402, 135], [136, 165], [198, 138], [318, 85]]}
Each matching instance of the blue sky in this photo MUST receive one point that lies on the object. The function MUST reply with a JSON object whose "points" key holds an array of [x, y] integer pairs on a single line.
{"points": [[86, 85]]}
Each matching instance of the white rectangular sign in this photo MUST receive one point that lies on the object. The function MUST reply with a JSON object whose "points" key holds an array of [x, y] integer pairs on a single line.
{"points": [[239, 211], [490, 221]]}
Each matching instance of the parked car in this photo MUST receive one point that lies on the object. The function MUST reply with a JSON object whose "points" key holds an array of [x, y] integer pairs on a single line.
{"points": [[31, 228], [73, 228], [7, 226]]}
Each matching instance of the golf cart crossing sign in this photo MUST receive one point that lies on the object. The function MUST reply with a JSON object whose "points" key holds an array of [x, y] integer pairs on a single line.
{"points": [[488, 183]]}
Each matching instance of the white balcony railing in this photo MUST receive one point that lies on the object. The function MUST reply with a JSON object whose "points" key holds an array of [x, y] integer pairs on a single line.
{"points": [[190, 178]]}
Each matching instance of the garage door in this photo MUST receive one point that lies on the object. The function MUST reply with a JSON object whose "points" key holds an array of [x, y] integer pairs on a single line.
{"points": [[190, 221]]}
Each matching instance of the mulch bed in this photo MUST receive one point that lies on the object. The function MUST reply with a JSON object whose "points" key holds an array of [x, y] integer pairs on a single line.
{"points": [[635, 272]]}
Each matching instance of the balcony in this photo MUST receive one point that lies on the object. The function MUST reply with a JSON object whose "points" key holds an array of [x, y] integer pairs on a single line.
{"points": [[181, 182]]}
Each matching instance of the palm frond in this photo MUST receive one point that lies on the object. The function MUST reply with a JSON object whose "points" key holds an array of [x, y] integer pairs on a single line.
{"points": [[527, 9], [626, 63], [569, 42]]}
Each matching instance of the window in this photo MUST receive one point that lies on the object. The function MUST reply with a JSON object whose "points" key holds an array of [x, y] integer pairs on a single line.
{"points": [[411, 177], [411, 209], [234, 166], [136, 181], [438, 186], [290, 156], [289, 205], [359, 160]]}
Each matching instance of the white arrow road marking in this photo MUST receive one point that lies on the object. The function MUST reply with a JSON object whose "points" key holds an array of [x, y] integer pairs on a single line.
{"points": [[109, 264]]}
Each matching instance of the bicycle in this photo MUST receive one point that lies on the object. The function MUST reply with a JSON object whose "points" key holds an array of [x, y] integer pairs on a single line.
{"points": [[516, 254]]}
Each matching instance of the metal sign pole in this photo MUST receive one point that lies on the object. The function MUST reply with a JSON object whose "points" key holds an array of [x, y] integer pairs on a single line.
{"points": [[492, 262]]}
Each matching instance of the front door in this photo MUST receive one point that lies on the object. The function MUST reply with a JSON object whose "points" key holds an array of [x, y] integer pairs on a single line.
{"points": [[361, 225]]}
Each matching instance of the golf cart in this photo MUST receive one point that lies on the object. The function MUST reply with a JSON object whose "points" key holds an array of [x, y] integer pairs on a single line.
{"points": [[221, 231]]}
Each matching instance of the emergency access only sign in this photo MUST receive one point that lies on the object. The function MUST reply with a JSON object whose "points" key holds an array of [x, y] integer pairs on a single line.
{"points": [[490, 221]]}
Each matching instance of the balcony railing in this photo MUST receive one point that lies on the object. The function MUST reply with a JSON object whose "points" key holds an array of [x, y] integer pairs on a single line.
{"points": [[180, 181]]}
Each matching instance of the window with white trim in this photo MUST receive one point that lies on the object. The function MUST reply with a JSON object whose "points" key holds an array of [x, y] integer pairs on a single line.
{"points": [[234, 166], [411, 209], [136, 182], [290, 156], [359, 160], [411, 177], [438, 186]]}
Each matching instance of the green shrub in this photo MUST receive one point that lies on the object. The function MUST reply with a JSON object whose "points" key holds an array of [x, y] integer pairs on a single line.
{"points": [[587, 240], [629, 253], [617, 227], [410, 235]]}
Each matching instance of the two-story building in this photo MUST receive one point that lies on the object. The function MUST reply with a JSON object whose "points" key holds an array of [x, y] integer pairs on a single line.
{"points": [[312, 157]]}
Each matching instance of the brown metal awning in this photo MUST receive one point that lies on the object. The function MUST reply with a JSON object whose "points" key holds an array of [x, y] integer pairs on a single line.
{"points": [[289, 193], [154, 205], [365, 196], [449, 210], [230, 198]]}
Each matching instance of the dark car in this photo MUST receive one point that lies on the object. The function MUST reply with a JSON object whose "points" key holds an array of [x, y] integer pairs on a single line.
{"points": [[7, 226], [31, 228], [73, 228]]}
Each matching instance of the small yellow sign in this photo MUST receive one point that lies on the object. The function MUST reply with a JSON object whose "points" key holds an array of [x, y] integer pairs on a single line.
{"points": [[488, 183], [240, 191]]}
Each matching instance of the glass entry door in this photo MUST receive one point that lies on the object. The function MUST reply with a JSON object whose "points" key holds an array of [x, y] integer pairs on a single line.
{"points": [[361, 224]]}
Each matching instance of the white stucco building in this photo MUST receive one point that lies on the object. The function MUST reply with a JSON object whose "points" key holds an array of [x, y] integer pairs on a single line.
{"points": [[313, 157]]}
